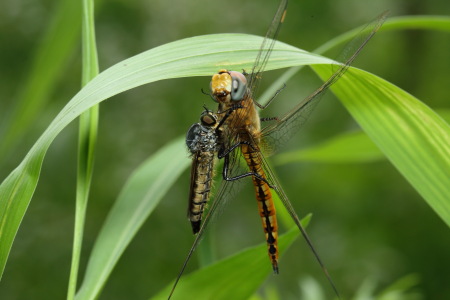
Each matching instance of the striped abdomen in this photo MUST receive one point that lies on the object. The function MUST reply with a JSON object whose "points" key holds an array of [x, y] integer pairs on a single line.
{"points": [[265, 203], [201, 182]]}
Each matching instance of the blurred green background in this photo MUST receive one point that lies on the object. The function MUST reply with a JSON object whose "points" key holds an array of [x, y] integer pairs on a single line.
{"points": [[368, 223]]}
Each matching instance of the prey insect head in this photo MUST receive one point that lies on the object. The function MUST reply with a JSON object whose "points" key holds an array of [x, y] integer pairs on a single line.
{"points": [[208, 118]]}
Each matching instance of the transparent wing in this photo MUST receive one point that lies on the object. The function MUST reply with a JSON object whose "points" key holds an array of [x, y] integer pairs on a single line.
{"points": [[256, 74], [266, 47], [275, 135]]}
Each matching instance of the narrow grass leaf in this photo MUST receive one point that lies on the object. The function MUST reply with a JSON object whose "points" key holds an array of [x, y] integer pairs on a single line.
{"points": [[87, 140], [411, 135], [441, 23], [349, 147]]}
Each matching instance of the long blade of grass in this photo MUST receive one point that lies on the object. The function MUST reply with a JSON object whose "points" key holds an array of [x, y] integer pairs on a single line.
{"points": [[411, 135], [87, 138], [349, 147], [441, 23]]}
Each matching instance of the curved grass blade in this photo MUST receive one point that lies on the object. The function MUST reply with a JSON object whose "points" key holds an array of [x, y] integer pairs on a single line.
{"points": [[140, 195], [350, 147], [441, 23], [189, 57], [411, 135]]}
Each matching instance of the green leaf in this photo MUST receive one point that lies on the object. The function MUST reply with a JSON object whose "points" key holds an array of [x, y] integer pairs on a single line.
{"points": [[196, 56], [140, 195], [411, 135], [235, 277], [351, 147], [441, 23], [87, 140]]}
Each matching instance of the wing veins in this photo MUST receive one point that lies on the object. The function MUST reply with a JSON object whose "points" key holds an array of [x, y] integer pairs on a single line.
{"points": [[291, 122]]}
